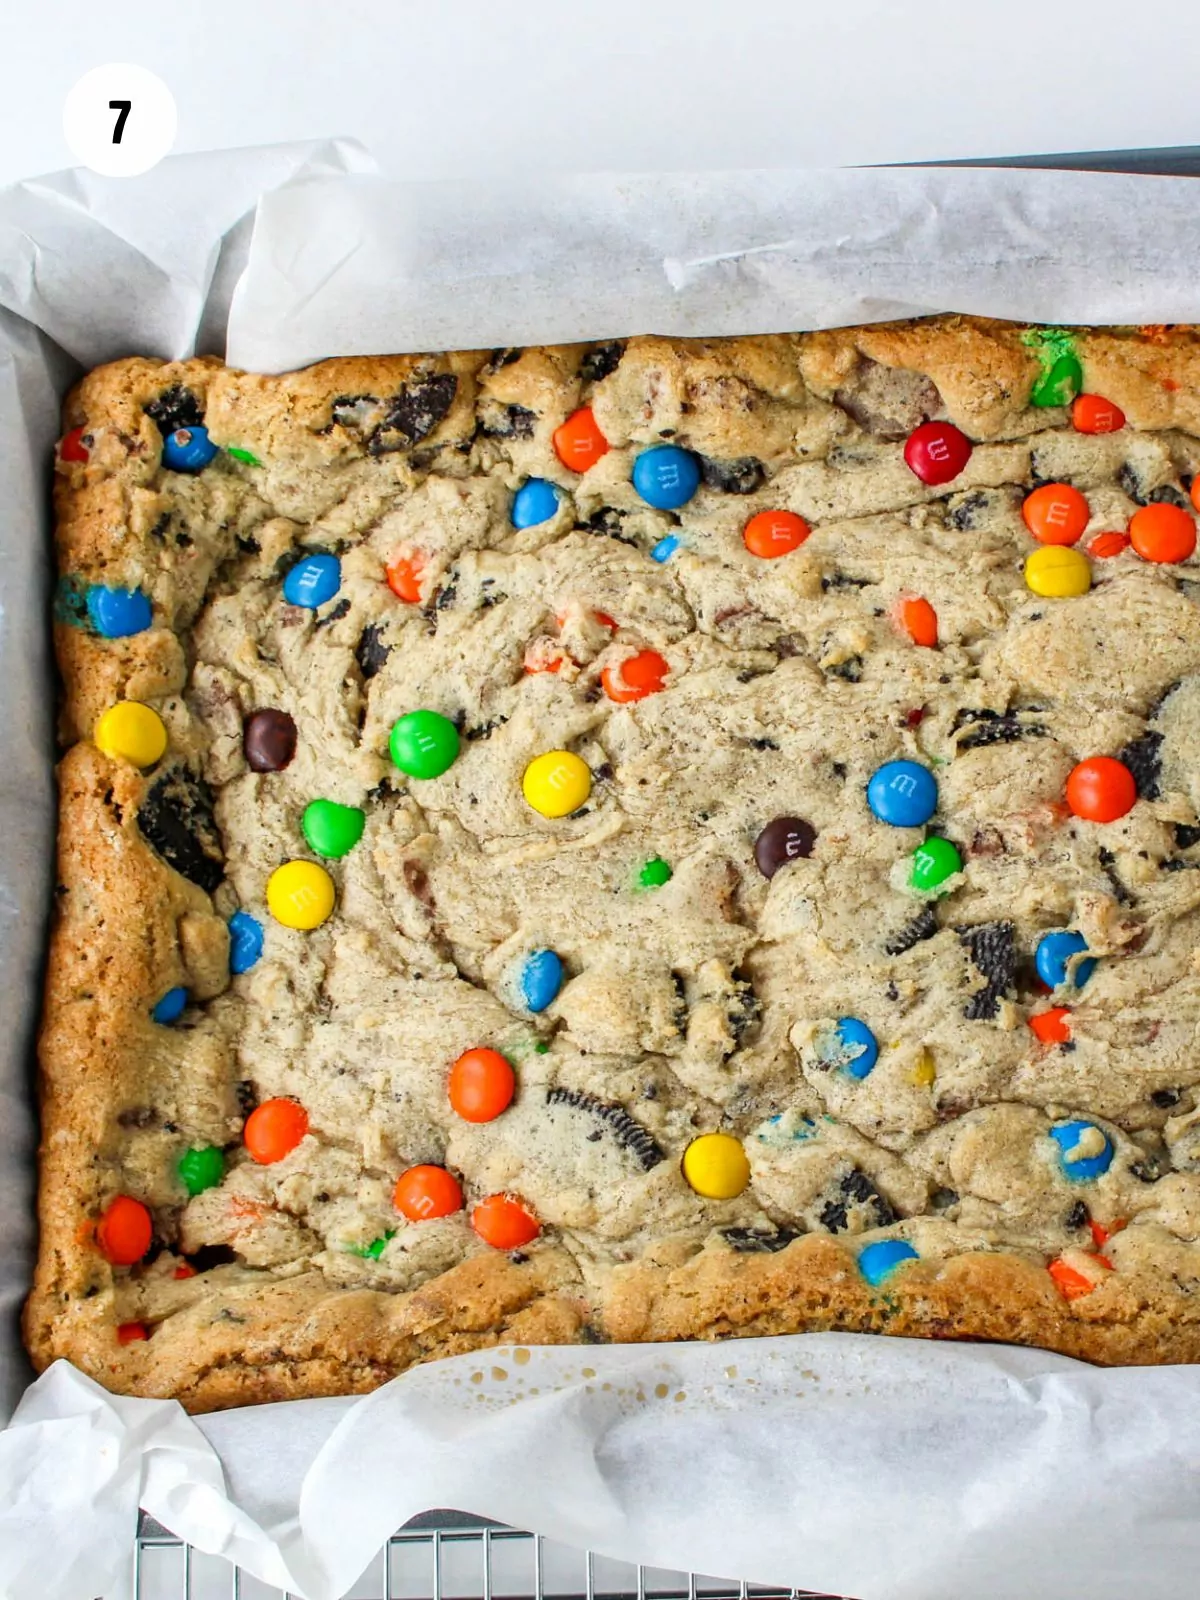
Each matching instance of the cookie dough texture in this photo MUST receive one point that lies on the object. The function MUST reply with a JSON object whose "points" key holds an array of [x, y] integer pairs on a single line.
{"points": [[696, 1006]]}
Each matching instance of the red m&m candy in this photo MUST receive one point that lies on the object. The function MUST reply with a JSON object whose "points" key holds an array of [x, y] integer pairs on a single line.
{"points": [[1090, 413], [937, 452], [1101, 789], [72, 447], [131, 1332], [578, 442]]}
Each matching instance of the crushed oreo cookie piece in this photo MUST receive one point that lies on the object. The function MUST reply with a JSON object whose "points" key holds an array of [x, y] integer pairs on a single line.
{"points": [[175, 408], [843, 580], [1077, 1217], [629, 1133], [1164, 1099], [484, 730], [413, 413], [370, 652], [994, 727], [507, 422], [1108, 863], [212, 1255], [176, 818], [758, 1241], [993, 952], [339, 611], [943, 1199], [854, 1202], [742, 475], [601, 360], [1186, 835], [1143, 757], [851, 670], [921, 927], [503, 358], [745, 1009], [607, 521]]}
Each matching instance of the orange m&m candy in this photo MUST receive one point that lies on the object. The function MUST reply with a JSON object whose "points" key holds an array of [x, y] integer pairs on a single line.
{"points": [[273, 1130], [404, 576], [1195, 491], [1071, 1282], [1053, 1026], [1055, 514], [481, 1085], [635, 678], [770, 534], [1101, 789], [124, 1231], [1162, 533], [1091, 413], [503, 1222], [578, 442], [425, 1192], [1106, 545], [130, 1332], [919, 621]]}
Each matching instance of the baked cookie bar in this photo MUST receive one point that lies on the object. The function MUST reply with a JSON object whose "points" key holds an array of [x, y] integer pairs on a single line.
{"points": [[666, 839]]}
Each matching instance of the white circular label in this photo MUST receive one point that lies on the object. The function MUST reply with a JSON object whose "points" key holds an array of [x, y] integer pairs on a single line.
{"points": [[120, 120]]}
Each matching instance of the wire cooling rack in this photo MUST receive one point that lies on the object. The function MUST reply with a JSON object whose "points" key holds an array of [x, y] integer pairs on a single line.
{"points": [[445, 1556]]}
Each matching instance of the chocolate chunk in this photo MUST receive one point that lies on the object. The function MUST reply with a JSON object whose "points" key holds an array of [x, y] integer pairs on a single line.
{"points": [[783, 840], [758, 1241], [994, 727], [175, 407], [600, 360], [176, 818], [1164, 1099], [854, 1199], [629, 1133], [921, 927], [269, 740], [742, 475], [370, 652], [1143, 757], [414, 413], [507, 422], [212, 1255], [992, 949]]}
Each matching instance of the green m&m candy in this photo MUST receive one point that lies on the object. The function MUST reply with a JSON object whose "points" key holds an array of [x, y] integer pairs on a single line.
{"points": [[654, 874], [201, 1169], [932, 863], [1059, 383], [424, 744], [332, 830]]}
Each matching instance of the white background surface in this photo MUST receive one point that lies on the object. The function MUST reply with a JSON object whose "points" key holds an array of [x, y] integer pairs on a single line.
{"points": [[442, 88]]}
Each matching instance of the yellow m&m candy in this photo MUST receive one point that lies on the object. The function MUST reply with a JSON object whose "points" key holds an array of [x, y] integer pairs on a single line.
{"points": [[300, 894], [557, 783], [1057, 572], [715, 1166], [132, 732]]}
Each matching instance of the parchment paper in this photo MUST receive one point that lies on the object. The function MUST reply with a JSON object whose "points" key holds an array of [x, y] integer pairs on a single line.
{"points": [[880, 1468]]}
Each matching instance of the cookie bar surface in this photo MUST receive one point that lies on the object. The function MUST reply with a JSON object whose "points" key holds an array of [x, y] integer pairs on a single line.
{"points": [[652, 840]]}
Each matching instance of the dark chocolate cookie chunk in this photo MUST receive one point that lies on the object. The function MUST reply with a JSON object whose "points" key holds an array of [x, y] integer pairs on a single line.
{"points": [[628, 1131], [175, 408], [993, 952], [176, 819]]}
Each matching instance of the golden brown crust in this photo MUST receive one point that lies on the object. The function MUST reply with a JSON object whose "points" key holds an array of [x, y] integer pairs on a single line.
{"points": [[120, 909]]}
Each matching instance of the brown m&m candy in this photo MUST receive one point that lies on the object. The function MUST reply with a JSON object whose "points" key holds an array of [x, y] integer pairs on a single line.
{"points": [[783, 840], [269, 740]]}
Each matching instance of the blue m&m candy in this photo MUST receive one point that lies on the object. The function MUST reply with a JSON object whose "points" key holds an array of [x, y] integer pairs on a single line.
{"points": [[1084, 1150], [903, 793], [535, 501], [877, 1261], [852, 1047], [117, 613], [188, 450], [245, 941], [665, 548], [666, 477], [170, 1007], [1054, 951], [312, 581], [541, 979]]}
